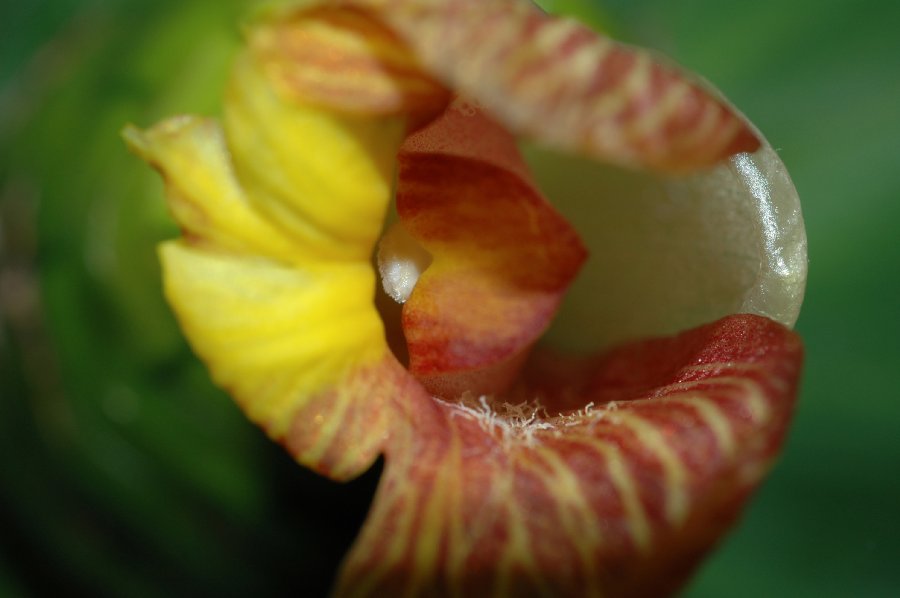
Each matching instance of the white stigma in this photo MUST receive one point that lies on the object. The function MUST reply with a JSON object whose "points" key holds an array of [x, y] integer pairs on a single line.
{"points": [[401, 260]]}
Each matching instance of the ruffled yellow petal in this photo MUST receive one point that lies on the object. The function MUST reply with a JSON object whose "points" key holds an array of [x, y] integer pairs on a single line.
{"points": [[278, 337], [273, 281], [324, 177], [203, 192]]}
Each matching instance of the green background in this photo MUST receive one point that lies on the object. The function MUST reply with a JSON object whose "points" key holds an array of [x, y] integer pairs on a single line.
{"points": [[122, 472]]}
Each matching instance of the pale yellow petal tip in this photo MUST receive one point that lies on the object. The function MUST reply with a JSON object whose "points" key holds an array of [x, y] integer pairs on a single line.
{"points": [[147, 143], [135, 139]]}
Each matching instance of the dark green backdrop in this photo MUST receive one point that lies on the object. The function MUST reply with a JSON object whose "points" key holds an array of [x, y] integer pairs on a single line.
{"points": [[123, 472]]}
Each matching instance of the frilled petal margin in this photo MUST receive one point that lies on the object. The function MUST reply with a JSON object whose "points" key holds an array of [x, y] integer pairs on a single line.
{"points": [[603, 475]]}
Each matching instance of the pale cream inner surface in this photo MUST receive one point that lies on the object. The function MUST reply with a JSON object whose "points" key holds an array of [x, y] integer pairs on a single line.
{"points": [[668, 253]]}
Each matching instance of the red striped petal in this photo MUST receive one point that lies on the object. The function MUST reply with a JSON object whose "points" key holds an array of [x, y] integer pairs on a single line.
{"points": [[557, 81], [617, 497]]}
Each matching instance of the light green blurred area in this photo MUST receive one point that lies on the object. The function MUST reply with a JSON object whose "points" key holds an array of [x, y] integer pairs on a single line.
{"points": [[122, 471]]}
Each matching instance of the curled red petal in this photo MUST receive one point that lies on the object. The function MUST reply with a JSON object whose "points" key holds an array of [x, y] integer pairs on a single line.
{"points": [[561, 83], [502, 256], [615, 498]]}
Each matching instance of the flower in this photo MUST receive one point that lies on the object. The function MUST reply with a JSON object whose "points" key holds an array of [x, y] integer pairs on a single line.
{"points": [[510, 469]]}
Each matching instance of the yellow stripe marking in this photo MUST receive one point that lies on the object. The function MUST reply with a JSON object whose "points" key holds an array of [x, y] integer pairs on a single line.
{"points": [[426, 542], [613, 101], [653, 120], [329, 428], [719, 138], [674, 471], [485, 60], [396, 543], [627, 489], [576, 514], [712, 417], [573, 79], [457, 547], [370, 435], [517, 549], [553, 34], [700, 133], [748, 391]]}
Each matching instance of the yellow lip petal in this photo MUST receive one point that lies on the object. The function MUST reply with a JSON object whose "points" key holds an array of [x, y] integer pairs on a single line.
{"points": [[273, 282], [203, 193], [323, 177], [279, 338]]}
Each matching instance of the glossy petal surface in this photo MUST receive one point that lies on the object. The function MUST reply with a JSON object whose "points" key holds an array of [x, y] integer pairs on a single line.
{"points": [[668, 253]]}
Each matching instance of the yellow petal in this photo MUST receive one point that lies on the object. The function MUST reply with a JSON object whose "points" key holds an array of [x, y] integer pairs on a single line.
{"points": [[203, 193], [273, 281], [324, 177], [278, 337]]}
